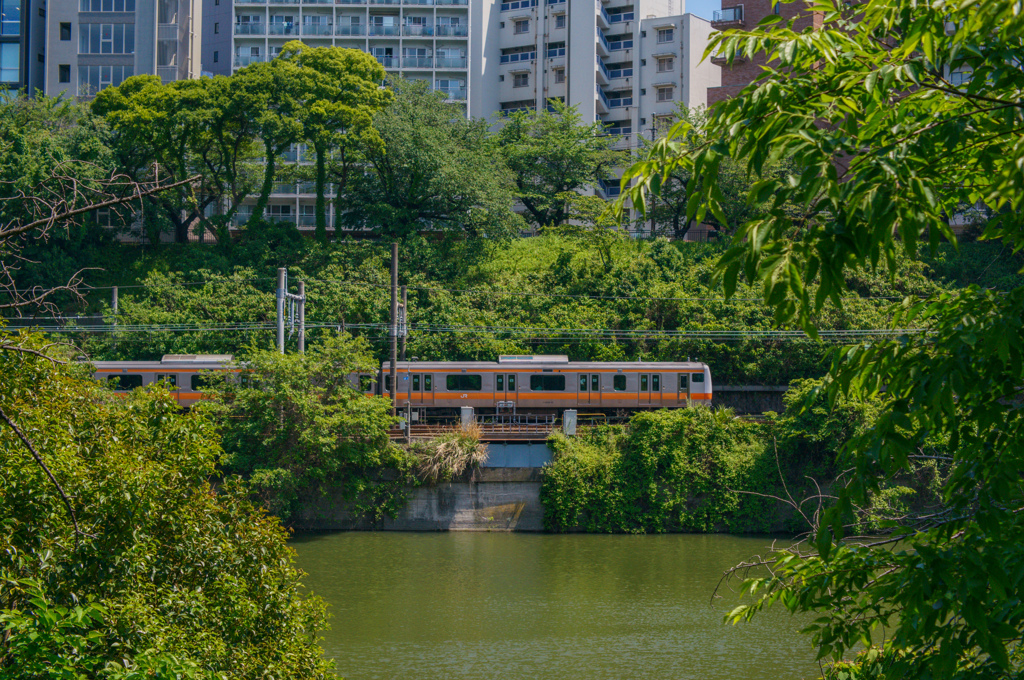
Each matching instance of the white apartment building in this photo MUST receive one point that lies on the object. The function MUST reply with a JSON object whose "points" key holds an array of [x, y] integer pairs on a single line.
{"points": [[92, 44], [623, 62]]}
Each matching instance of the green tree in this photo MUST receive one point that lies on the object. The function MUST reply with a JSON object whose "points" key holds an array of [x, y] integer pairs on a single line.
{"points": [[118, 556], [336, 92], [898, 113], [436, 171], [553, 152], [296, 428]]}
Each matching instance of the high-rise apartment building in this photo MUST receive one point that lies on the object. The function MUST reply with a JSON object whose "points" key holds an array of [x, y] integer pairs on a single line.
{"points": [[92, 44], [22, 45], [747, 15], [418, 39]]}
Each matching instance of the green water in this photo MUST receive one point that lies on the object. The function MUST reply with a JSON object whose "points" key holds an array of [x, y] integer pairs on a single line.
{"points": [[479, 605]]}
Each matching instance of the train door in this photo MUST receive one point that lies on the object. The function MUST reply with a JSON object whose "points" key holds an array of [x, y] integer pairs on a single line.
{"points": [[583, 398], [645, 389], [656, 398], [423, 388], [505, 390], [171, 383], [684, 388]]}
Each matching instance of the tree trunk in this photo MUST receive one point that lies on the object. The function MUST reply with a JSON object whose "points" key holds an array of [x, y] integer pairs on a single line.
{"points": [[269, 172], [321, 187]]}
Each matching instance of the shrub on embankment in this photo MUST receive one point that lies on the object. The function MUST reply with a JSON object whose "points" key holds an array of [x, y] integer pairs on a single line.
{"points": [[702, 470]]}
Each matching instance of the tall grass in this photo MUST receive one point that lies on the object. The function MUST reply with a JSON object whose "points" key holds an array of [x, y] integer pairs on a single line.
{"points": [[448, 456]]}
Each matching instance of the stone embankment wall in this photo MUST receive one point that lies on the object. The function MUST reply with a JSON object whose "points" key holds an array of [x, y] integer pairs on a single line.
{"points": [[490, 499]]}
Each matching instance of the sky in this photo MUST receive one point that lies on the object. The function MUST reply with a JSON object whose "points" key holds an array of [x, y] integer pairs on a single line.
{"points": [[702, 8]]}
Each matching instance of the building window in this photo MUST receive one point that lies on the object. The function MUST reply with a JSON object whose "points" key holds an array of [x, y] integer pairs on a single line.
{"points": [[666, 64], [559, 75], [216, 56], [216, 27], [559, 21], [64, 73], [65, 31], [10, 62], [10, 17], [665, 94], [522, 26], [520, 79], [107, 6], [666, 35], [92, 79], [106, 39]]}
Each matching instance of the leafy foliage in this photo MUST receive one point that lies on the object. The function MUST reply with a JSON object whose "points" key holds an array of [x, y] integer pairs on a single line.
{"points": [[165, 575], [294, 427], [890, 149]]}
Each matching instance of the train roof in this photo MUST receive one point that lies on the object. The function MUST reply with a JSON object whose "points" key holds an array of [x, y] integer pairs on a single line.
{"points": [[198, 361], [538, 365]]}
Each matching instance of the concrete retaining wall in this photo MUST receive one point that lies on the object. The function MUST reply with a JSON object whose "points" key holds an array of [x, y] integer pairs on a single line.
{"points": [[749, 399], [492, 499]]}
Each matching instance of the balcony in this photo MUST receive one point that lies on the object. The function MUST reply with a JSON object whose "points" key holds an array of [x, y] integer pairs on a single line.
{"points": [[384, 30], [282, 29], [621, 17], [417, 62], [556, 52], [451, 62], [518, 4], [451, 30], [350, 29], [602, 102], [387, 62], [317, 29], [603, 46], [620, 45], [415, 30], [620, 73], [284, 2], [603, 19], [518, 57], [251, 29], [351, 2], [720, 59], [453, 93], [251, 2], [611, 188], [454, 2], [727, 17], [167, 73], [243, 61], [619, 102]]}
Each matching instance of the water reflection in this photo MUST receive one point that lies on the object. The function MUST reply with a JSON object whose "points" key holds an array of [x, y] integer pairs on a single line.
{"points": [[476, 605]]}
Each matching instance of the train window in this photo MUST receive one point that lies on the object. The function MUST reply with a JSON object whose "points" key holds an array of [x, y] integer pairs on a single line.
{"points": [[200, 383], [655, 383], [123, 383], [595, 382], [365, 383], [684, 382], [428, 383], [511, 383], [698, 377], [500, 382], [416, 383], [387, 383], [171, 379], [619, 383], [463, 382], [583, 383], [547, 383], [643, 383]]}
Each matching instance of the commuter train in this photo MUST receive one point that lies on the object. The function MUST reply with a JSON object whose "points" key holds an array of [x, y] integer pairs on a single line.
{"points": [[513, 384]]}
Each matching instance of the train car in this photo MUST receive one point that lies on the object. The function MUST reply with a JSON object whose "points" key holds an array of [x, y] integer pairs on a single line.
{"points": [[545, 384], [184, 374]]}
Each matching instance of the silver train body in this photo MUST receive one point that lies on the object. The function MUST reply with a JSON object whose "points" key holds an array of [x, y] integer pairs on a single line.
{"points": [[516, 383]]}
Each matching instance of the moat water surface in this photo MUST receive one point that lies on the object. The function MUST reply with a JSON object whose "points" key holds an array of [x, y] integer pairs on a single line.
{"points": [[532, 606]]}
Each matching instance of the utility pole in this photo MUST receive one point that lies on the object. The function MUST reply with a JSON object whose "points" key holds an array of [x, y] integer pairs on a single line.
{"points": [[282, 290], [282, 297], [302, 317], [113, 301], [394, 329], [404, 319]]}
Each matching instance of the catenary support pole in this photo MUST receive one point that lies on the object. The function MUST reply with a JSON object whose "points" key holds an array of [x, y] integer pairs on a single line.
{"points": [[113, 301], [405, 318], [302, 317], [394, 329], [282, 285]]}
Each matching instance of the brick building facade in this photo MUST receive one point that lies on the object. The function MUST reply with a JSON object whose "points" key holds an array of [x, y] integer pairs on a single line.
{"points": [[746, 15]]}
